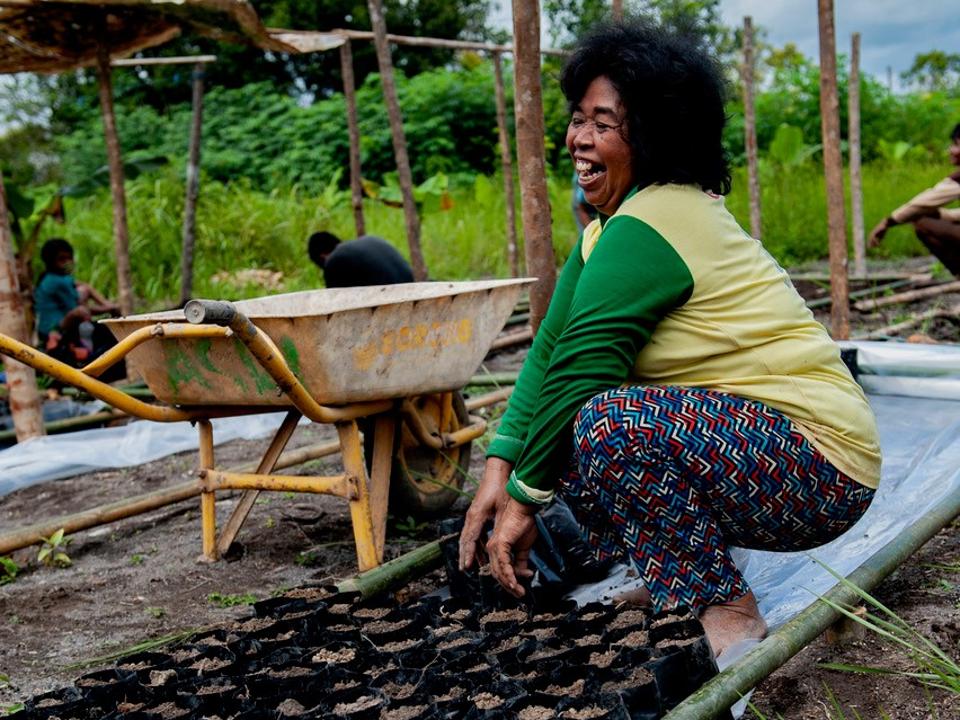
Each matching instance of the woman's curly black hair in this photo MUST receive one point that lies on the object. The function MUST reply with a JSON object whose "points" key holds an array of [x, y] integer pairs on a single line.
{"points": [[673, 92]]}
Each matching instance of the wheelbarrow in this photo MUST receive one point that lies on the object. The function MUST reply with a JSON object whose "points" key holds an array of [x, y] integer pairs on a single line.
{"points": [[387, 359]]}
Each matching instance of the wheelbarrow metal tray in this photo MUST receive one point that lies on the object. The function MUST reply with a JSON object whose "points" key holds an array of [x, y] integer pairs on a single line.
{"points": [[345, 344]]}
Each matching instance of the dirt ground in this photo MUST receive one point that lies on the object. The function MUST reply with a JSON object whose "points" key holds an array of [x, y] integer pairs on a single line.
{"points": [[139, 579]]}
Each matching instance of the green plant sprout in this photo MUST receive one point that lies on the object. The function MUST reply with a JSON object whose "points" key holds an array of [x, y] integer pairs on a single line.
{"points": [[136, 559], [8, 570], [53, 551], [157, 612], [223, 600]]}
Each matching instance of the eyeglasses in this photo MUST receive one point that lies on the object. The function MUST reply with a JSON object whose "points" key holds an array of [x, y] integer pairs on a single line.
{"points": [[580, 122]]}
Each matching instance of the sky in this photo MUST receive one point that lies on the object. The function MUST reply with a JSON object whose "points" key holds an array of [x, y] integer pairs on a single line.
{"points": [[892, 31]]}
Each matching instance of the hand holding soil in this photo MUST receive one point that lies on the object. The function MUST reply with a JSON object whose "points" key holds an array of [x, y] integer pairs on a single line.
{"points": [[514, 533]]}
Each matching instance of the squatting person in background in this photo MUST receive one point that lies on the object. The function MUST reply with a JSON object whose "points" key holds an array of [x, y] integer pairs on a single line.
{"points": [[368, 260], [679, 394], [937, 227]]}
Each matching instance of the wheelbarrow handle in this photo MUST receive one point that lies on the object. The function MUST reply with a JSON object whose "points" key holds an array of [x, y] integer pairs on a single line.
{"points": [[217, 312]]}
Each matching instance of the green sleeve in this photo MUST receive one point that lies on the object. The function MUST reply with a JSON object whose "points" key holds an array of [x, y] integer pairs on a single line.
{"points": [[631, 281], [512, 432]]}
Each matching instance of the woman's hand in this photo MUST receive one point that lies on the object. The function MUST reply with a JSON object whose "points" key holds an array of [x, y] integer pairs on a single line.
{"points": [[490, 497], [514, 533]]}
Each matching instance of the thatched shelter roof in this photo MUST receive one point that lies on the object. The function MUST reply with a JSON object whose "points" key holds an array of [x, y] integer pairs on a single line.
{"points": [[57, 35]]}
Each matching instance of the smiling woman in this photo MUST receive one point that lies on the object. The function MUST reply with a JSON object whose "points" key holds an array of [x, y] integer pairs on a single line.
{"points": [[679, 395]]}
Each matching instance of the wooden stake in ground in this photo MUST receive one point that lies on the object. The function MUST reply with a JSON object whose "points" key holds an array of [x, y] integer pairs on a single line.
{"points": [[534, 202], [617, 10], [853, 141], [399, 139], [506, 161], [115, 163], [193, 188], [21, 379], [353, 129], [750, 128], [833, 170]]}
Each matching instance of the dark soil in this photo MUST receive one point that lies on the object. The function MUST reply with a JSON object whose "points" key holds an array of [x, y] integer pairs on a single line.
{"points": [[139, 579]]}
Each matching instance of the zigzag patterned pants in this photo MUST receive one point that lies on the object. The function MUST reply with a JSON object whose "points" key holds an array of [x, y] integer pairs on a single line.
{"points": [[669, 476]]}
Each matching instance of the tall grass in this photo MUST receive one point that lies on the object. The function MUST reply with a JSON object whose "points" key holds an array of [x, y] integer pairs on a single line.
{"points": [[239, 226]]}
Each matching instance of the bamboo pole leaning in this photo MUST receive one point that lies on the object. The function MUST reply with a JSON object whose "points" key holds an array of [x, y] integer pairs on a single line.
{"points": [[908, 296], [404, 175], [535, 203], [121, 237], [853, 143], [353, 131], [506, 162], [750, 128], [193, 188], [833, 171]]}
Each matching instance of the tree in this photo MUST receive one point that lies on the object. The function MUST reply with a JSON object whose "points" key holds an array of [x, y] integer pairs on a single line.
{"points": [[934, 70]]}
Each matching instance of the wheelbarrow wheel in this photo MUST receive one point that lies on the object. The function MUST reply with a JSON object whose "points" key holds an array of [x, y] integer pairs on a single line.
{"points": [[424, 482]]}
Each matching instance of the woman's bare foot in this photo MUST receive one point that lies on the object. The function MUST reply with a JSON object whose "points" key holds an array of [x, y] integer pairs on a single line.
{"points": [[728, 623]]}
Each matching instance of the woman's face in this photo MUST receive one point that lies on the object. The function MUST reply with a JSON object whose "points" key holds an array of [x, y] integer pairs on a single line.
{"points": [[597, 141]]}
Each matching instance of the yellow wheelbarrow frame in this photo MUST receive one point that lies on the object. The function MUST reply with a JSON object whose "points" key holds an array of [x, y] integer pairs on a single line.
{"points": [[367, 493]]}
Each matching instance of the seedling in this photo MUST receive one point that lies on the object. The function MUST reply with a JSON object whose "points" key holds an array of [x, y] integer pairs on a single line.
{"points": [[410, 526], [307, 558], [269, 523], [11, 709], [8, 570], [157, 612], [53, 551], [136, 559], [224, 601]]}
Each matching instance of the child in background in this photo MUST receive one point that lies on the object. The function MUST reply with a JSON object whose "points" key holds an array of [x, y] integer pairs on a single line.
{"points": [[65, 308]]}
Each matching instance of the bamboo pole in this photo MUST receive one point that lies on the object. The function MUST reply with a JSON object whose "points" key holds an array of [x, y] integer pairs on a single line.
{"points": [[506, 161], [535, 203], [722, 691], [120, 234], [397, 572], [404, 175], [833, 170], [353, 130], [72, 423], [617, 10], [21, 379], [853, 141], [490, 398], [441, 43], [750, 128], [193, 188], [908, 296]]}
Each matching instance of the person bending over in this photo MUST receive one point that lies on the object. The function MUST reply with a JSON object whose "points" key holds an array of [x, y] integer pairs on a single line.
{"points": [[65, 308], [936, 227], [679, 394], [368, 260]]}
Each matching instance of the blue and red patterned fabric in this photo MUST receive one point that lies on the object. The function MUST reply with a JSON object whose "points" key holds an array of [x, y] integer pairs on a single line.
{"points": [[669, 477]]}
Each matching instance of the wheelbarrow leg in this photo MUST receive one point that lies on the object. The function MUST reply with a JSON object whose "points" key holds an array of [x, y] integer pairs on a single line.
{"points": [[208, 510], [266, 465], [368, 510]]}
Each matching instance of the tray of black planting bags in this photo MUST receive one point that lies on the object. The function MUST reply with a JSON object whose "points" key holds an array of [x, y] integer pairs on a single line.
{"points": [[316, 653]]}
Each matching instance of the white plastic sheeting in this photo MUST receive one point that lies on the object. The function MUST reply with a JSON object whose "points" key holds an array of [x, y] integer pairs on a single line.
{"points": [[59, 456], [915, 393]]}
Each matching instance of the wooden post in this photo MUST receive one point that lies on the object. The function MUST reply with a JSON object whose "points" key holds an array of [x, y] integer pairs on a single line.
{"points": [[399, 139], [534, 201], [21, 379], [353, 130], [750, 129], [853, 141], [115, 163], [618, 10], [193, 188], [506, 161], [833, 171]]}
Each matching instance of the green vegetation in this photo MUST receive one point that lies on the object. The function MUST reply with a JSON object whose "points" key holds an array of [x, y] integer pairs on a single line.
{"points": [[53, 551], [8, 570], [223, 600]]}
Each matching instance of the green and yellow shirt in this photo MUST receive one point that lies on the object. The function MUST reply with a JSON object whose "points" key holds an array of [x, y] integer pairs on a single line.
{"points": [[670, 290]]}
